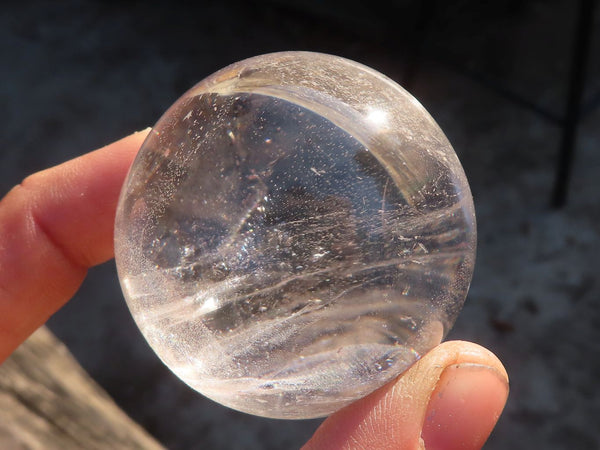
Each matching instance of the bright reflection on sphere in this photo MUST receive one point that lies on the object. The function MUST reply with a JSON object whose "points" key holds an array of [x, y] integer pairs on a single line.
{"points": [[295, 232]]}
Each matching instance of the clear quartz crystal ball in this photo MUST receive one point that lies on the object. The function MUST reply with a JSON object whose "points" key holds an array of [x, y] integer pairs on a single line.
{"points": [[294, 233]]}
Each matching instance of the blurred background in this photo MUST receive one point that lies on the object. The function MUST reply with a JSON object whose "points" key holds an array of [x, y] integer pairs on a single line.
{"points": [[515, 85]]}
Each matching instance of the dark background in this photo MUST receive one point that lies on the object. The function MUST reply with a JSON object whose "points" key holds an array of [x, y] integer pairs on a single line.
{"points": [[75, 75]]}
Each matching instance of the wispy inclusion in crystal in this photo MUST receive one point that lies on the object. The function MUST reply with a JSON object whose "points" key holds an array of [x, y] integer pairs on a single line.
{"points": [[295, 232]]}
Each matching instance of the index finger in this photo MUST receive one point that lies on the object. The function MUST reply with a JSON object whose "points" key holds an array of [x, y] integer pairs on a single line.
{"points": [[54, 226]]}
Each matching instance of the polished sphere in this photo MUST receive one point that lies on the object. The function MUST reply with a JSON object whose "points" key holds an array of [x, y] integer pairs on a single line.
{"points": [[295, 232]]}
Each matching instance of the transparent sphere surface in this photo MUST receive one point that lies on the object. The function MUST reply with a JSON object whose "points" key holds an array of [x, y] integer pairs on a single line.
{"points": [[294, 233]]}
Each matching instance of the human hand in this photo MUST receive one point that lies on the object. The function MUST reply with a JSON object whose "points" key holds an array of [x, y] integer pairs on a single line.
{"points": [[59, 222]]}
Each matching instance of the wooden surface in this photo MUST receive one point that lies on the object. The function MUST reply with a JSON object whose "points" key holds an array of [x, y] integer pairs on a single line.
{"points": [[47, 401]]}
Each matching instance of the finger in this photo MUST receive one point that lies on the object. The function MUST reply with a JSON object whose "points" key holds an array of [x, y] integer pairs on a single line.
{"points": [[54, 226], [449, 399]]}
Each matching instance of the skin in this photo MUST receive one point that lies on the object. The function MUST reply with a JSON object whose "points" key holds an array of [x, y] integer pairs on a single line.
{"points": [[59, 222]]}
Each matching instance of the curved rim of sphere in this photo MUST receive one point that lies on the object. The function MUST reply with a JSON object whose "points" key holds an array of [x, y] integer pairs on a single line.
{"points": [[416, 212]]}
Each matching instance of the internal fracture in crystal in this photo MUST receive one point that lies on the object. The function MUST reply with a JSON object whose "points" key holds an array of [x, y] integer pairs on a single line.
{"points": [[295, 232]]}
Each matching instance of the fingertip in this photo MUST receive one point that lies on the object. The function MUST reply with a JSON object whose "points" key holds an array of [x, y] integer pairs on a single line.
{"points": [[53, 226], [410, 409], [457, 352], [464, 407]]}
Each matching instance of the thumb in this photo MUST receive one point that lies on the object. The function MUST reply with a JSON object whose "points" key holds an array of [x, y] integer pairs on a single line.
{"points": [[449, 399]]}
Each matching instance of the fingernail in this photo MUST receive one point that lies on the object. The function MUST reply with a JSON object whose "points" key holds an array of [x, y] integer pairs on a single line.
{"points": [[464, 407]]}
